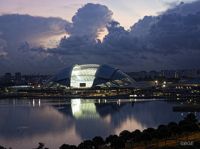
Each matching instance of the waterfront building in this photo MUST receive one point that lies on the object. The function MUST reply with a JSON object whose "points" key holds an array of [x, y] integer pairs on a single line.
{"points": [[91, 76]]}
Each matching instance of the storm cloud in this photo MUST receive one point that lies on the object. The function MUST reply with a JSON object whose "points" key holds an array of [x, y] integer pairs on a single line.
{"points": [[167, 41], [18, 33], [172, 37], [19, 28]]}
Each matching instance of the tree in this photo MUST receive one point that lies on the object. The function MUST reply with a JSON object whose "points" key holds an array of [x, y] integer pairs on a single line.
{"points": [[163, 132], [1, 147], [88, 144], [66, 146], [125, 135], [41, 146], [110, 138], [136, 135], [98, 141], [191, 118], [188, 126], [148, 134], [117, 143], [174, 129]]}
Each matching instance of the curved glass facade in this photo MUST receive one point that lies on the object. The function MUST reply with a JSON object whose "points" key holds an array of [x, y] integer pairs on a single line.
{"points": [[92, 75], [83, 76]]}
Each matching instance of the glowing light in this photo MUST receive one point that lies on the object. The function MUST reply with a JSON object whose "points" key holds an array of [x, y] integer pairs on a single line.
{"points": [[33, 103], [76, 106], [83, 76], [102, 34], [129, 124], [135, 95], [39, 103], [48, 41], [119, 102], [82, 109]]}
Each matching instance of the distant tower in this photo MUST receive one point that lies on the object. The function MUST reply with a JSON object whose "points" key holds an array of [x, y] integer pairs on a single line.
{"points": [[7, 77], [18, 77]]}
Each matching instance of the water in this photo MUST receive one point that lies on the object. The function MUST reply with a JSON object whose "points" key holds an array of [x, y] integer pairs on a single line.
{"points": [[24, 123]]}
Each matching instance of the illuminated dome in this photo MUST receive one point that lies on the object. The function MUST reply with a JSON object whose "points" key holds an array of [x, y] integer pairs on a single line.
{"points": [[91, 76]]}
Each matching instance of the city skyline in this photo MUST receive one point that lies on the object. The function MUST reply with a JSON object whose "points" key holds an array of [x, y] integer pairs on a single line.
{"points": [[99, 32]]}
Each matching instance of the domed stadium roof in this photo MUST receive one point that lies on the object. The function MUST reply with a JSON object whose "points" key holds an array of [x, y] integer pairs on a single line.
{"points": [[90, 76]]}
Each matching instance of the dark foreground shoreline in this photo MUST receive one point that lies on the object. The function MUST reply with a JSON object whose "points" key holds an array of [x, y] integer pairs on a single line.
{"points": [[182, 135]]}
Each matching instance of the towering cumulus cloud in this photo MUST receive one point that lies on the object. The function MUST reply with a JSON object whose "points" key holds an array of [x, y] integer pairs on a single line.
{"points": [[87, 24], [83, 45], [167, 41], [90, 20]]}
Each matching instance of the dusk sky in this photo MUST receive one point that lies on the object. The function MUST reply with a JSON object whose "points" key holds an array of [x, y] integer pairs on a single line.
{"points": [[126, 12], [134, 35]]}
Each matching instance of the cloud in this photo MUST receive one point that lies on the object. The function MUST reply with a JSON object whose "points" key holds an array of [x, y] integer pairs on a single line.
{"points": [[19, 28], [175, 33], [20, 32], [162, 38], [90, 20], [3, 46], [165, 41], [184, 8]]}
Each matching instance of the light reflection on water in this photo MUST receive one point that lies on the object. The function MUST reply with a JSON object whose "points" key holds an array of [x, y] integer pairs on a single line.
{"points": [[24, 123]]}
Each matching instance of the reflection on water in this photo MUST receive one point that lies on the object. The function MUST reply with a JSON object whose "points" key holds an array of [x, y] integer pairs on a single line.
{"points": [[82, 109], [24, 123]]}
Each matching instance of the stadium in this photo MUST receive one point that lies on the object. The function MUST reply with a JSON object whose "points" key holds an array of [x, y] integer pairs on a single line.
{"points": [[91, 76]]}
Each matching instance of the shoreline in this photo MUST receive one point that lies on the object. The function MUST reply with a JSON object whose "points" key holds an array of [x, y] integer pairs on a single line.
{"points": [[125, 96]]}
